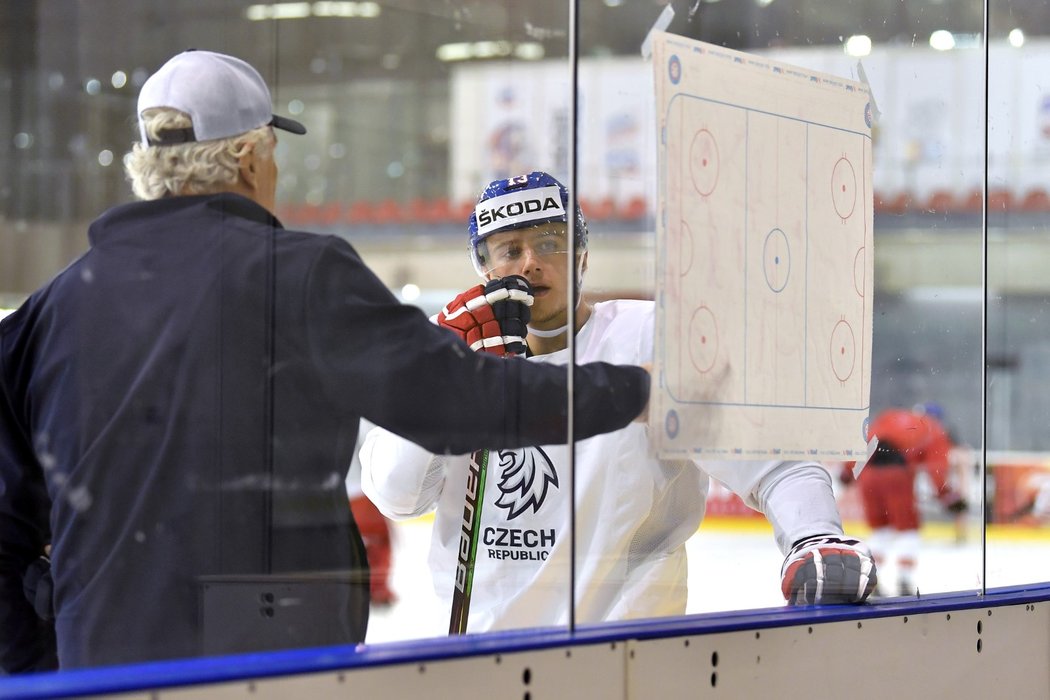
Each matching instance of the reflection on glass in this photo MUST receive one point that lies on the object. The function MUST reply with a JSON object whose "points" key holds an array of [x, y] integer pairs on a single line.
{"points": [[412, 111], [669, 497], [927, 322], [212, 372], [1018, 466]]}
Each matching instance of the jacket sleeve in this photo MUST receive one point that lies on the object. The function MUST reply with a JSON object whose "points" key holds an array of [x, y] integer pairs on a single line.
{"points": [[401, 478], [27, 643], [390, 364]]}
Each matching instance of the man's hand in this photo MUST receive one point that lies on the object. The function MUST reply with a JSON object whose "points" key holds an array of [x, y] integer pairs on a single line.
{"points": [[491, 317], [828, 569]]}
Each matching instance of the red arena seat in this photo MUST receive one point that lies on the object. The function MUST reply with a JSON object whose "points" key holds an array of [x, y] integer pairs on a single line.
{"points": [[1000, 200], [389, 211], [941, 202], [598, 209], [329, 214], [898, 203], [972, 202], [635, 208], [461, 212], [360, 212], [1036, 200], [438, 211]]}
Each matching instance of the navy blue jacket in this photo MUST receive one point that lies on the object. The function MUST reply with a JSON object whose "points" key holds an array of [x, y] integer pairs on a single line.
{"points": [[183, 401]]}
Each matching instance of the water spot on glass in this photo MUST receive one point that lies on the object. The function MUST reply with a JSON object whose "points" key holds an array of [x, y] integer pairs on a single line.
{"points": [[42, 447], [79, 498]]}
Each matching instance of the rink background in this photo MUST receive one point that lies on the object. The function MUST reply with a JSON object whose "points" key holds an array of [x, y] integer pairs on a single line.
{"points": [[734, 564]]}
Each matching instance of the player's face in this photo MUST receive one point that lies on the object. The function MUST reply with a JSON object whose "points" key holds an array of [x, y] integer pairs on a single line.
{"points": [[540, 255]]}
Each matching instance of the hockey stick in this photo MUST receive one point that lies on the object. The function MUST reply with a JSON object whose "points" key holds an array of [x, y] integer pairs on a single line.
{"points": [[479, 460], [468, 541]]}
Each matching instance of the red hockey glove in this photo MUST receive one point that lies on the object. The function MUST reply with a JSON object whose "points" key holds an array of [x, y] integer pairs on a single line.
{"points": [[828, 569], [491, 317]]}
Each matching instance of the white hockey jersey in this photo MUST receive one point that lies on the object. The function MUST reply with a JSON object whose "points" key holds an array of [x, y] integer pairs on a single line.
{"points": [[633, 515]]}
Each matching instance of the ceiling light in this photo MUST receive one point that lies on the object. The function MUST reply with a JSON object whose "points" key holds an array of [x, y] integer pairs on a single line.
{"points": [[278, 10], [345, 9], [454, 52], [942, 40], [300, 10], [858, 45], [465, 51], [529, 51]]}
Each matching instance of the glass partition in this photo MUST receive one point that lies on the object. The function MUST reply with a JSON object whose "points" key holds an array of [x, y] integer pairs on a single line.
{"points": [[411, 112], [1016, 296]]}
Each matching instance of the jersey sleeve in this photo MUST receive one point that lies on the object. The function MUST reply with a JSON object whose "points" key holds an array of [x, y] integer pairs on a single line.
{"points": [[401, 478], [796, 497]]}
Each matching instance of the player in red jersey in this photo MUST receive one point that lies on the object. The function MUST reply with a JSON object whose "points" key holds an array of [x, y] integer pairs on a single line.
{"points": [[910, 440]]}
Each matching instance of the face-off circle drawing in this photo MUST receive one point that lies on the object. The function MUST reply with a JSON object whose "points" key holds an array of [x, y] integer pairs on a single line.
{"points": [[703, 162], [776, 260], [843, 350], [844, 188], [703, 339]]}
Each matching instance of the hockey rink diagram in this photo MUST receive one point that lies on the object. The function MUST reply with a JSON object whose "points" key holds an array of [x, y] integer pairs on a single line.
{"points": [[764, 240]]}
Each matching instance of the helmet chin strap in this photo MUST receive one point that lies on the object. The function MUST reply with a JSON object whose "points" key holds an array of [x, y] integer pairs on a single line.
{"points": [[548, 334]]}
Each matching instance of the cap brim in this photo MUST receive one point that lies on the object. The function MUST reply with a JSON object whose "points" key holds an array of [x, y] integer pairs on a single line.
{"points": [[287, 124]]}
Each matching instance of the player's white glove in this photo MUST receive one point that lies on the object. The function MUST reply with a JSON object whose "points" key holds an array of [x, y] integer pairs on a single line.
{"points": [[828, 569], [491, 317]]}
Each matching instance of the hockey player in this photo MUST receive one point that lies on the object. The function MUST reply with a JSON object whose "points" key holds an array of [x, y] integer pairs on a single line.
{"points": [[910, 441], [633, 512]]}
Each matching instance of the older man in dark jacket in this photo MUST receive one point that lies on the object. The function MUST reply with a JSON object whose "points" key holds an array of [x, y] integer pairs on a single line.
{"points": [[178, 407]]}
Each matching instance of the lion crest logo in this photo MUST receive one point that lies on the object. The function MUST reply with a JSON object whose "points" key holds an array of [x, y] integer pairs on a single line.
{"points": [[524, 477]]}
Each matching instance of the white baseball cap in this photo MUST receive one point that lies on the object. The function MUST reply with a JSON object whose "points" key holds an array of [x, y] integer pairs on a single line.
{"points": [[223, 95]]}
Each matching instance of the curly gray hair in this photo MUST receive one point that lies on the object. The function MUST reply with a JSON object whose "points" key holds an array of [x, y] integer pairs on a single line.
{"points": [[201, 167]]}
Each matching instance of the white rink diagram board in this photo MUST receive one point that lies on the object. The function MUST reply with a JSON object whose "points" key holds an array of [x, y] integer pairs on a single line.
{"points": [[764, 258]]}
